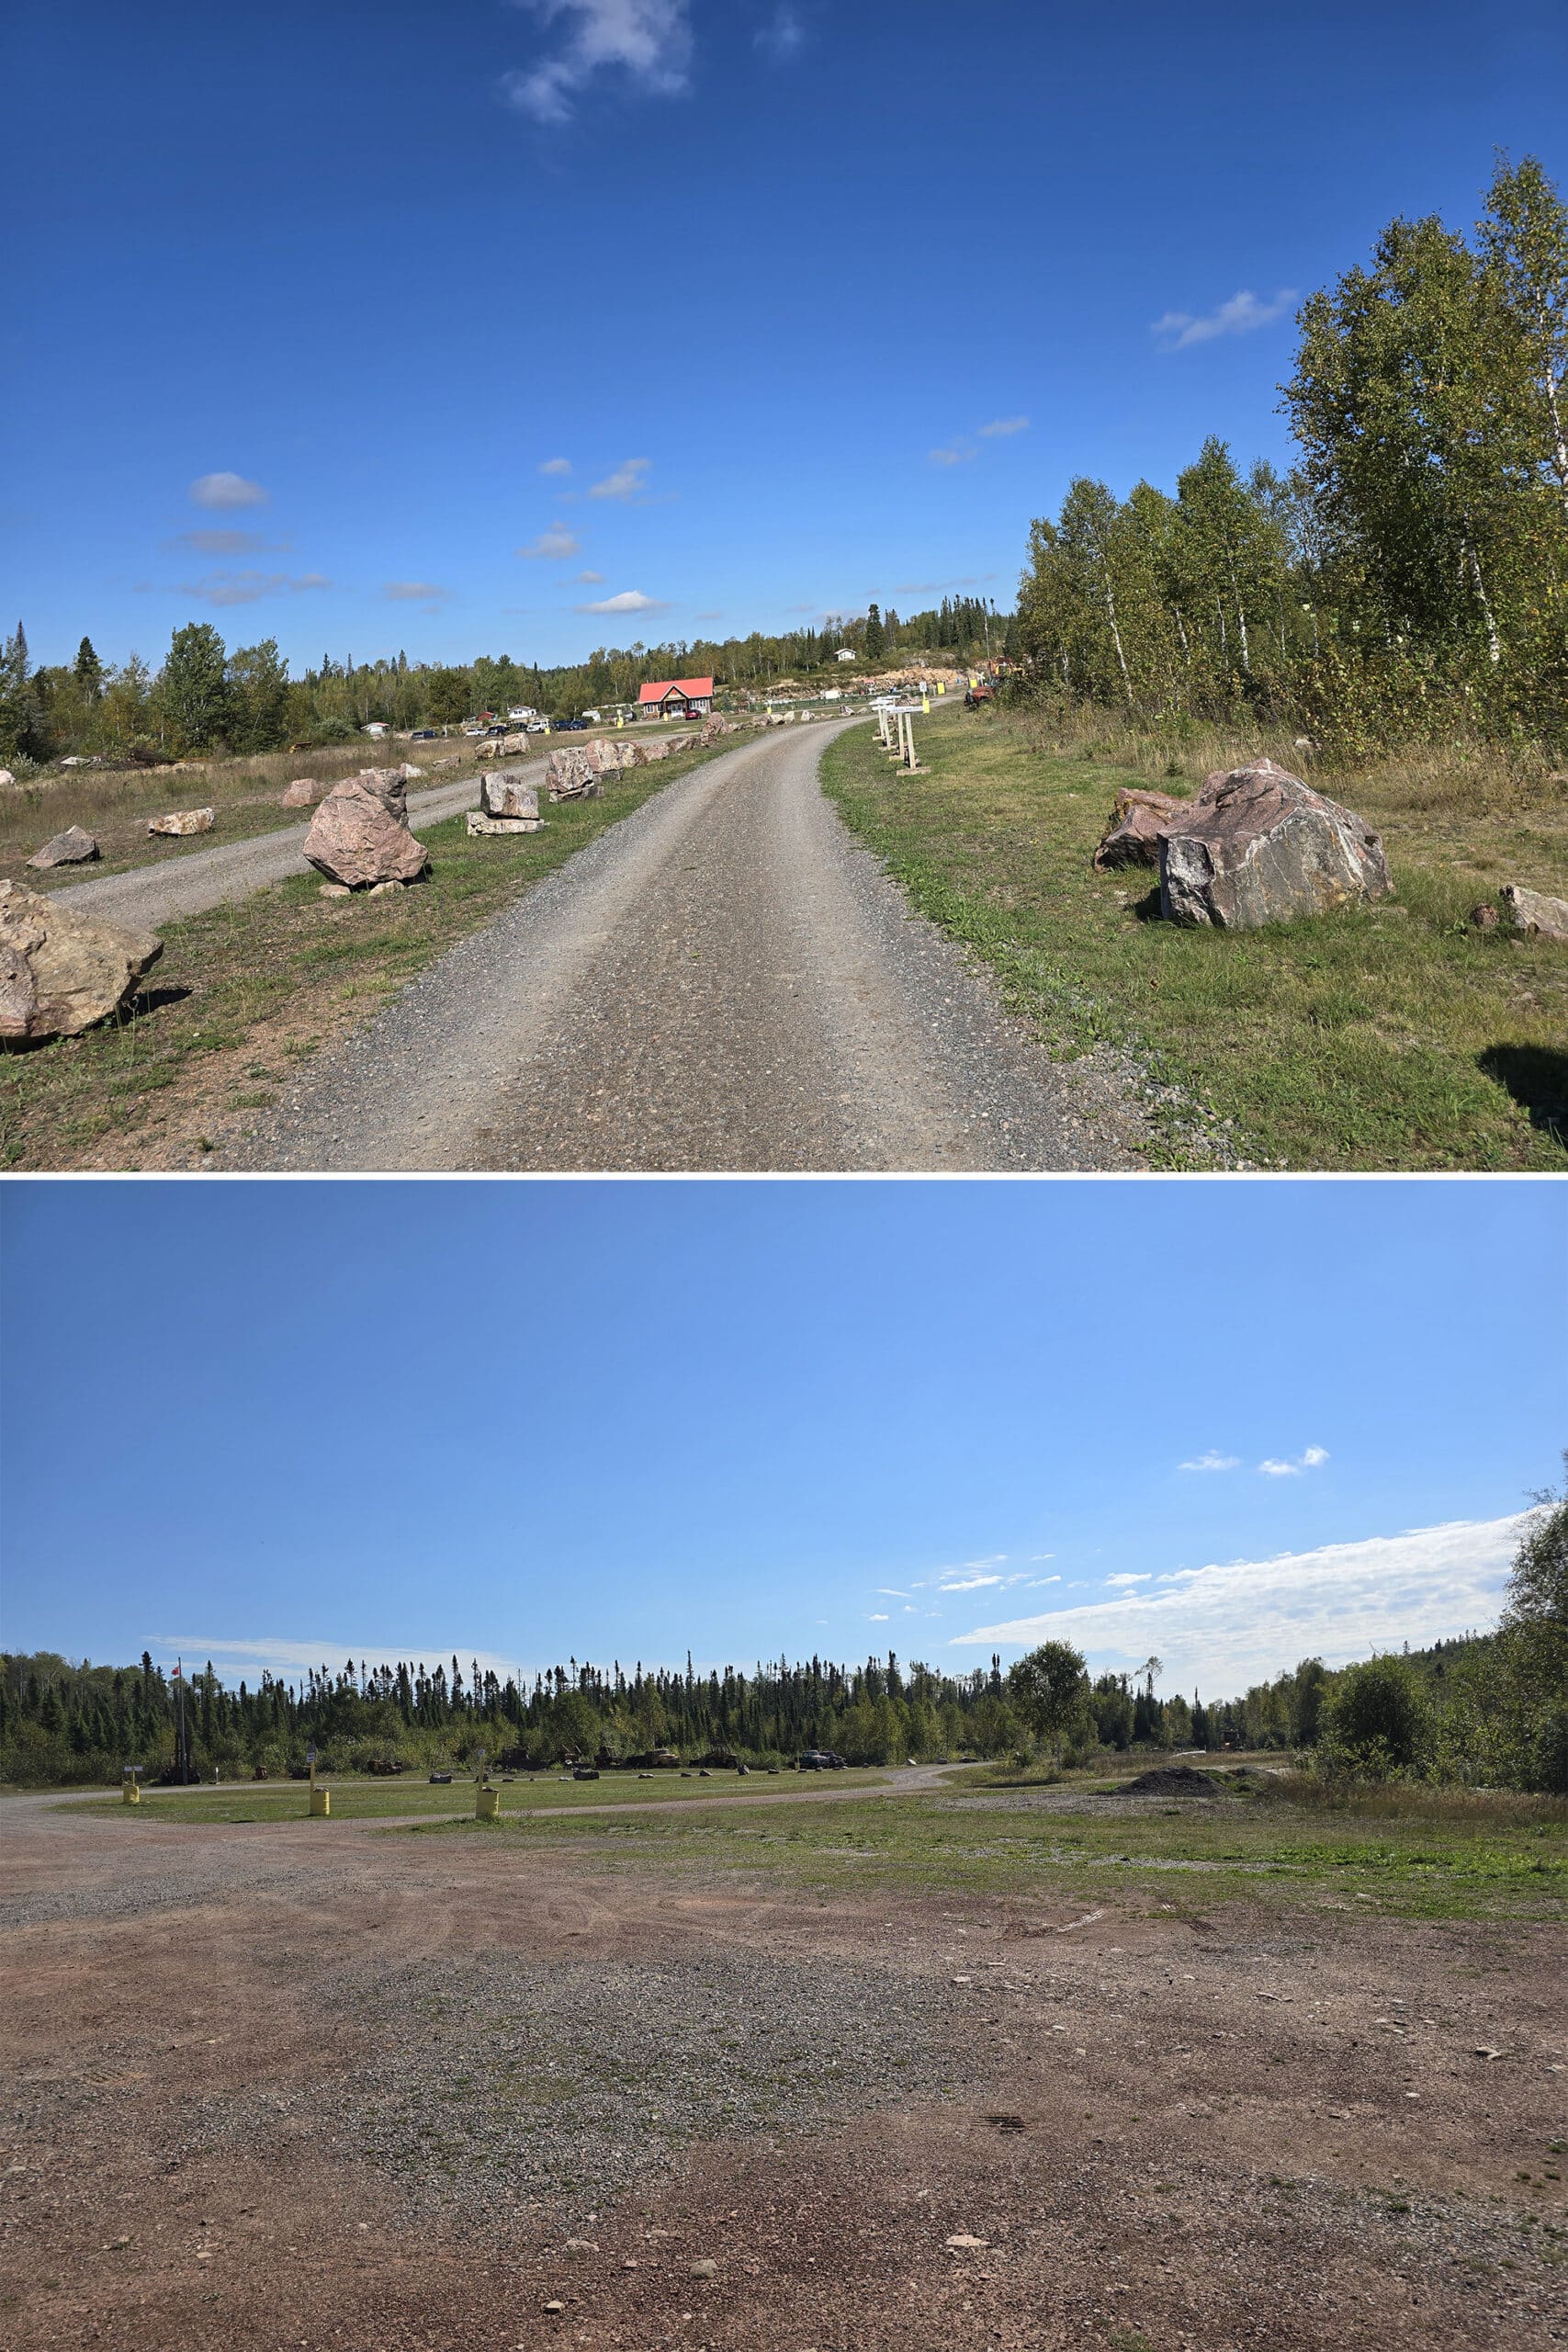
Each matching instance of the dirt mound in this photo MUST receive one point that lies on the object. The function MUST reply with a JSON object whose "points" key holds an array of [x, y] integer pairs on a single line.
{"points": [[1170, 1781]]}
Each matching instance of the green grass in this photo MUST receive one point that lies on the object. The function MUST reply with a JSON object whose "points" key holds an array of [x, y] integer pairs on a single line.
{"points": [[368, 1800], [244, 992], [1382, 1038], [1189, 1858]]}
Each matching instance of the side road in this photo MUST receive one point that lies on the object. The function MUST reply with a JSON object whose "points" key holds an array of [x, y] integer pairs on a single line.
{"points": [[726, 979], [151, 895]]}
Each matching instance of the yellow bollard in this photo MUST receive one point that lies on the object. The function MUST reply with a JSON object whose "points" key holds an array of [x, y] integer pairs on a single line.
{"points": [[321, 1803], [487, 1804], [131, 1792]]}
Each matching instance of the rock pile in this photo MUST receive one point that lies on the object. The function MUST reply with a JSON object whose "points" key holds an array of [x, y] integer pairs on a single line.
{"points": [[570, 775], [507, 805], [360, 836], [73, 847], [501, 747], [1257, 845], [715, 728], [60, 972], [179, 821]]}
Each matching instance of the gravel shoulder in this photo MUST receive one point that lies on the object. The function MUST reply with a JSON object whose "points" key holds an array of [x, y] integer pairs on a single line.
{"points": [[726, 980]]}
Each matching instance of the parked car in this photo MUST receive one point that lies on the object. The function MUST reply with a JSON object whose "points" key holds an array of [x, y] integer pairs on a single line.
{"points": [[821, 1760], [569, 726], [423, 735]]}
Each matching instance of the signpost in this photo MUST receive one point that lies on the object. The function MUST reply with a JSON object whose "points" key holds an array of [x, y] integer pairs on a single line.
{"points": [[487, 1801]]}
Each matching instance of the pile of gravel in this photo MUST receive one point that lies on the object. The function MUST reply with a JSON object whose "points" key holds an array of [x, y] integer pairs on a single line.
{"points": [[499, 2081]]}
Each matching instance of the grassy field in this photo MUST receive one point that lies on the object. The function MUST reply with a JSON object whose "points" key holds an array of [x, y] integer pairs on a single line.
{"points": [[1394, 1036], [1497, 1858], [369, 1799], [244, 991]]}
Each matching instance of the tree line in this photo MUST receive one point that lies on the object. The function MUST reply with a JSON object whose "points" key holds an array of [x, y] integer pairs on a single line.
{"points": [[208, 699], [1488, 1710], [1409, 576]]}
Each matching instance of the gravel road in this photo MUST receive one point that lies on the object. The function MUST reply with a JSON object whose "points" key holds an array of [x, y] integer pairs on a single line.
{"points": [[149, 895], [726, 979]]}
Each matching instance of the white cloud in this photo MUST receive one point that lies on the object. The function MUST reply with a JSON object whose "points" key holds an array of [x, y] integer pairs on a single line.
{"points": [[631, 600], [226, 542], [231, 1659], [591, 579], [1035, 1557], [1238, 316], [892, 1592], [1314, 1457], [624, 483], [877, 1617], [783, 36], [1146, 1578], [1001, 427], [554, 545], [1213, 1461], [1035, 1582], [555, 466], [414, 592], [1228, 1624], [958, 456], [649, 40], [221, 491], [225, 588], [967, 1584]]}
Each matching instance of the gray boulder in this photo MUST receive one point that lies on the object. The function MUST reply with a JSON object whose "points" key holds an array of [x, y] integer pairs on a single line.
{"points": [[73, 847], [1533, 911], [571, 777], [1258, 846], [501, 795]]}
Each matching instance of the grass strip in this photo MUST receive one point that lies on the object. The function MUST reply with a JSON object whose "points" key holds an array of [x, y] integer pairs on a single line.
{"points": [[1396, 1036], [245, 992]]}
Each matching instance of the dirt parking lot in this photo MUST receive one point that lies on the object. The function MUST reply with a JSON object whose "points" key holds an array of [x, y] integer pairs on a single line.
{"points": [[300, 2086]]}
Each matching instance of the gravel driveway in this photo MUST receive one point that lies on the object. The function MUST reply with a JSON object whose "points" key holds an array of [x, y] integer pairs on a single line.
{"points": [[726, 979]]}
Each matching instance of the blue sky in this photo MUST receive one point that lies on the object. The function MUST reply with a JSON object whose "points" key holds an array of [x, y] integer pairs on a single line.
{"points": [[1234, 1423], [805, 304]]}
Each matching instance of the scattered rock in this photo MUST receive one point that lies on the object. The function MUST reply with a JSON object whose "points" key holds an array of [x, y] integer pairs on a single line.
{"points": [[508, 795], [1484, 918], [555, 2307], [1258, 845], [60, 972], [409, 771], [1533, 911], [379, 889], [336, 890], [580, 2246], [962, 2243], [303, 793], [477, 823], [702, 2268], [355, 839], [73, 847], [1481, 2050], [180, 821], [571, 776], [1131, 838]]}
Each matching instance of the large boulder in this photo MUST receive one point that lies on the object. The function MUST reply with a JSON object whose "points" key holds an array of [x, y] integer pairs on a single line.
{"points": [[607, 754], [571, 776], [1258, 845], [507, 795], [389, 788], [355, 839], [179, 821], [1533, 911], [73, 847], [59, 971], [303, 793], [1133, 836]]}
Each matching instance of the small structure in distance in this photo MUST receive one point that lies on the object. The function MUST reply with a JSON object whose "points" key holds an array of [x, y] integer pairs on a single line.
{"points": [[675, 699]]}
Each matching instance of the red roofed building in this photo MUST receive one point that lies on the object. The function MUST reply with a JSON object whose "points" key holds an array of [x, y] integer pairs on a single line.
{"points": [[676, 698]]}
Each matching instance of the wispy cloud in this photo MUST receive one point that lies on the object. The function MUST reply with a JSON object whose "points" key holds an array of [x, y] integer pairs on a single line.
{"points": [[1231, 1622], [1001, 427], [555, 466], [627, 482], [647, 41], [1313, 1459], [1240, 315], [224, 588], [219, 492], [1213, 1461], [784, 35], [224, 543], [591, 579], [554, 545], [631, 600], [892, 1592], [415, 592], [959, 455], [1147, 1578]]}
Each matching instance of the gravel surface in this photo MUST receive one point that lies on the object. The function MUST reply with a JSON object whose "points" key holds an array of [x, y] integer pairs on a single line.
{"points": [[725, 979], [149, 895]]}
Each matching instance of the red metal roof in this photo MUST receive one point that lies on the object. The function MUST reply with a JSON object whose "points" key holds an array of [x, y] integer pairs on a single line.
{"points": [[693, 689]]}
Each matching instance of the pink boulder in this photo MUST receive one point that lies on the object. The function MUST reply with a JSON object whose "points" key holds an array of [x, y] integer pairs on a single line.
{"points": [[355, 840]]}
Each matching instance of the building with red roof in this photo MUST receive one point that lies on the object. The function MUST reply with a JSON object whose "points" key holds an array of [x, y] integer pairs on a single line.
{"points": [[676, 698]]}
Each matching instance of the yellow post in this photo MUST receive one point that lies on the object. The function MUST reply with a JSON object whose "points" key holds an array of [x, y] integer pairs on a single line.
{"points": [[926, 704], [131, 1792], [321, 1803], [487, 1804]]}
